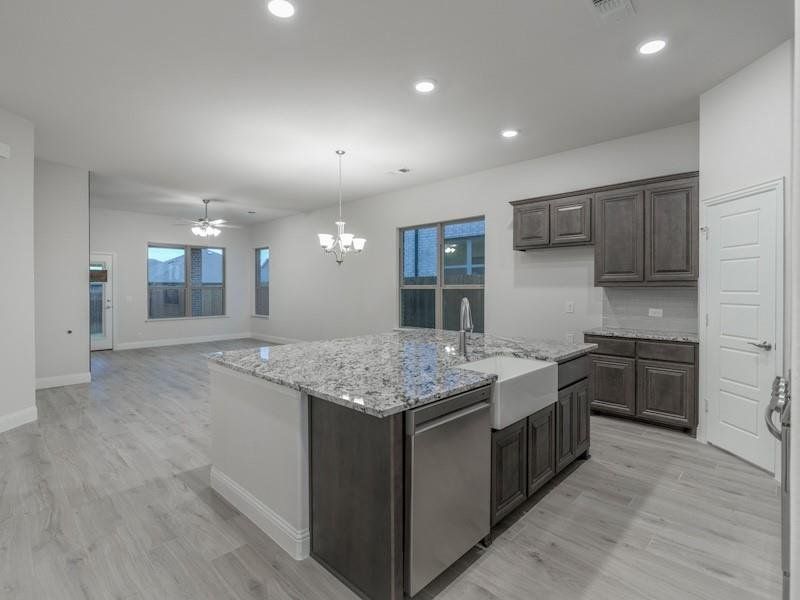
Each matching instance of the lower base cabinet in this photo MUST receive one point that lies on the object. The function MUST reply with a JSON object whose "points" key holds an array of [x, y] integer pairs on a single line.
{"points": [[529, 453], [509, 449]]}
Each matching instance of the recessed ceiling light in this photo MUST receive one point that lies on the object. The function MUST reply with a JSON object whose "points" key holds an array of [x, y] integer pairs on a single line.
{"points": [[281, 8], [509, 133], [652, 47], [425, 86]]}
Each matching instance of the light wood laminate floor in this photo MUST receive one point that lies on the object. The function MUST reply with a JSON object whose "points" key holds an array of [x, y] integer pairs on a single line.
{"points": [[107, 497]]}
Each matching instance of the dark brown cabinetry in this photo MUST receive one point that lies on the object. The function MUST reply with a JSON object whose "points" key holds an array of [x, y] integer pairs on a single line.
{"points": [[613, 387], [657, 383], [541, 448], [509, 468], [648, 235], [645, 232], [529, 453], [560, 222], [619, 235], [671, 232], [666, 392], [532, 226], [571, 221]]}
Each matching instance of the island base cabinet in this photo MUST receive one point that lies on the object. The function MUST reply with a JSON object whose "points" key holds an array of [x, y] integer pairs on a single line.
{"points": [[509, 463], [529, 453], [541, 448], [356, 497]]}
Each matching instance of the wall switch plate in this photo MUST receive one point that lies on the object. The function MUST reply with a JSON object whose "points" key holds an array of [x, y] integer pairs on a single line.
{"points": [[570, 338], [569, 307], [656, 312]]}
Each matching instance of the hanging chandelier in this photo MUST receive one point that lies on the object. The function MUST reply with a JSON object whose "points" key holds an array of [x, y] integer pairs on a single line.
{"points": [[342, 243]]}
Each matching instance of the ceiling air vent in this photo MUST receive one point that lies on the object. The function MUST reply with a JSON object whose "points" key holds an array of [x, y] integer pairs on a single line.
{"points": [[613, 9]]}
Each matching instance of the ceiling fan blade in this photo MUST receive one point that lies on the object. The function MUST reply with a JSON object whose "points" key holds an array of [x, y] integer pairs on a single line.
{"points": [[187, 223], [218, 222], [224, 226]]}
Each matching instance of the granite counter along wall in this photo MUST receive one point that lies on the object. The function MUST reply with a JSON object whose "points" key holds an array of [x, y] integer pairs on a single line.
{"points": [[628, 308]]}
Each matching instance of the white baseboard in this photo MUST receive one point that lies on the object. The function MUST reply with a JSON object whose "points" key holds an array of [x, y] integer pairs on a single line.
{"points": [[59, 380], [16, 419], [274, 339], [297, 542], [180, 341]]}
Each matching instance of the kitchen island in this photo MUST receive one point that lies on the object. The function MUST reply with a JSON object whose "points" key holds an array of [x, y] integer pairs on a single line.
{"points": [[309, 440]]}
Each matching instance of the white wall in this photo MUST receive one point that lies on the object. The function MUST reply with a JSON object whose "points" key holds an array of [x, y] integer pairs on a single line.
{"points": [[126, 234], [794, 285], [746, 139], [17, 352], [61, 234], [312, 298]]}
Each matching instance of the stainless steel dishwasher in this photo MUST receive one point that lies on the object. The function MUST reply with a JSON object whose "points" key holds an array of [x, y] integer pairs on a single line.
{"points": [[448, 487]]}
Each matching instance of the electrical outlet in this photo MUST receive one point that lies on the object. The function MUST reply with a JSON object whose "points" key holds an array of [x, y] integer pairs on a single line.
{"points": [[570, 338], [569, 308], [656, 312]]}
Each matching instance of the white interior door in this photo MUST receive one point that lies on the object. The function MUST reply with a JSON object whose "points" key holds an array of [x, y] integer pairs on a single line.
{"points": [[101, 304], [744, 264]]}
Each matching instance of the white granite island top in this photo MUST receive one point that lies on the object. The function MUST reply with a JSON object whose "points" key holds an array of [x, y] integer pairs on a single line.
{"points": [[387, 373]]}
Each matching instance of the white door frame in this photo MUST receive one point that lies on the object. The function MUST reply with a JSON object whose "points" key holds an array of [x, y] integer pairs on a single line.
{"points": [[114, 295], [776, 185]]}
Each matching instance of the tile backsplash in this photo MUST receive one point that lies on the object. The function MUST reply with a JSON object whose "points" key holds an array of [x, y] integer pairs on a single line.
{"points": [[630, 308]]}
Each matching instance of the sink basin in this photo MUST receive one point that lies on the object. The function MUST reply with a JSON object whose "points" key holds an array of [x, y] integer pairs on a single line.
{"points": [[523, 386]]}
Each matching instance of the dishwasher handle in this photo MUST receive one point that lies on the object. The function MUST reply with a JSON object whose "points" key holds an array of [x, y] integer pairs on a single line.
{"points": [[450, 417]]}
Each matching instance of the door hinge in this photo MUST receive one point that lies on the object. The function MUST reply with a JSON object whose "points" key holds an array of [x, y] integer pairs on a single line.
{"points": [[705, 230], [705, 402], [706, 319]]}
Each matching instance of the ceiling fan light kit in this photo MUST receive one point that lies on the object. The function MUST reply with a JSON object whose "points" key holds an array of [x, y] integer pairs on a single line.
{"points": [[342, 243], [205, 228]]}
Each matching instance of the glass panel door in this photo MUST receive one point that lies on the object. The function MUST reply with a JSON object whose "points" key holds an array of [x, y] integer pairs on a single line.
{"points": [[100, 301]]}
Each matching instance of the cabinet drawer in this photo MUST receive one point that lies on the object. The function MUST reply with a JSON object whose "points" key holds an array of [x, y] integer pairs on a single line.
{"points": [[612, 346], [670, 351], [571, 371]]}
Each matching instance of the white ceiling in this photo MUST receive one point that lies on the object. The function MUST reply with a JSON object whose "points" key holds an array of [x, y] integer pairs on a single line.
{"points": [[217, 98]]}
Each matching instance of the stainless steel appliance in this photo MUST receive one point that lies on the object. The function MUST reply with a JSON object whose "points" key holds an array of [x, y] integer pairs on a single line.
{"points": [[448, 467], [781, 405]]}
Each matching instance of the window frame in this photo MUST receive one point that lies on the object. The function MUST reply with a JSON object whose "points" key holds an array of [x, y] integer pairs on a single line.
{"points": [[256, 267], [187, 283], [439, 287]]}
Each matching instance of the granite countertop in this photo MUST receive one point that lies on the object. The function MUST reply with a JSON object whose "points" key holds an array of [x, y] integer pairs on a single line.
{"points": [[645, 334], [387, 373]]}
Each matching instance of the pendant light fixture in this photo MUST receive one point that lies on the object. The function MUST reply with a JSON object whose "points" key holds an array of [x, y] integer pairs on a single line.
{"points": [[342, 243]]}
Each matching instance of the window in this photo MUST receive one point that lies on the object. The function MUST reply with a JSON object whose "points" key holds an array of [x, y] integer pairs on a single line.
{"points": [[185, 281], [262, 282], [440, 265]]}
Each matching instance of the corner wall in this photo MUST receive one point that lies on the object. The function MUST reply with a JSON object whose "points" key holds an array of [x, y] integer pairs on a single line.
{"points": [[61, 234], [17, 312], [312, 298]]}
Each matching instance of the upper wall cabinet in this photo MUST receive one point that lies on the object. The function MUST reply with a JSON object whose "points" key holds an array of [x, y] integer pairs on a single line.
{"points": [[671, 232], [645, 233], [648, 235], [563, 221]]}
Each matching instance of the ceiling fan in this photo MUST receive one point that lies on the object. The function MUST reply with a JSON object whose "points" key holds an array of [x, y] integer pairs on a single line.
{"points": [[204, 227]]}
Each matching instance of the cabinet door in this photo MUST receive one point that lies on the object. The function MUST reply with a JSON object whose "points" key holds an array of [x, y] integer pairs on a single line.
{"points": [[565, 428], [581, 417], [672, 231], [571, 220], [619, 237], [509, 468], [541, 448], [666, 392], [613, 384], [532, 225]]}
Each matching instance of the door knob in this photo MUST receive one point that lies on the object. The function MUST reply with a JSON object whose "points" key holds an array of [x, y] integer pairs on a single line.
{"points": [[763, 345]]}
